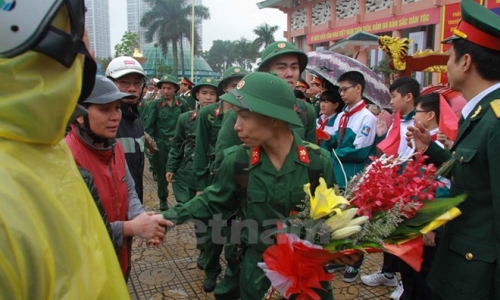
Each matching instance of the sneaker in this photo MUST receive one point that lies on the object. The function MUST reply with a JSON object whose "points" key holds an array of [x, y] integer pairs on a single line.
{"points": [[209, 284], [379, 278], [334, 268], [398, 292], [350, 274]]}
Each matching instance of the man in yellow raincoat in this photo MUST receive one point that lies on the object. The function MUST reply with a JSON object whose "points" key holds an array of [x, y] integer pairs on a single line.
{"points": [[53, 243]]}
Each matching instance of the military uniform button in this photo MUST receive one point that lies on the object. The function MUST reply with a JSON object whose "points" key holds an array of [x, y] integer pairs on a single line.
{"points": [[469, 256], [452, 179], [453, 153], [461, 159]]}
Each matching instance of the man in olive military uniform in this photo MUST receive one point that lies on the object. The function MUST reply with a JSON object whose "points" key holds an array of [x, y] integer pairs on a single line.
{"points": [[316, 89], [185, 86], [277, 164], [180, 167], [301, 89], [160, 125], [208, 124], [467, 261], [288, 63]]}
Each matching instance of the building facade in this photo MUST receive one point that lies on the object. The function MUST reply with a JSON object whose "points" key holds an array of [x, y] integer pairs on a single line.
{"points": [[319, 23], [97, 23]]}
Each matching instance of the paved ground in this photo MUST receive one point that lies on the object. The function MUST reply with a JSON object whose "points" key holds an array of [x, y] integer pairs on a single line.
{"points": [[169, 272]]}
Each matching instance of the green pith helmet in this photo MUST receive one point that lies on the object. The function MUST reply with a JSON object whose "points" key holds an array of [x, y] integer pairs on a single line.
{"points": [[266, 94], [231, 73], [168, 79], [279, 48], [205, 81]]}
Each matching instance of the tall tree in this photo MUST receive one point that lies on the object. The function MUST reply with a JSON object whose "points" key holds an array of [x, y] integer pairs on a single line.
{"points": [[221, 55], [169, 21], [265, 35], [129, 41], [246, 52]]}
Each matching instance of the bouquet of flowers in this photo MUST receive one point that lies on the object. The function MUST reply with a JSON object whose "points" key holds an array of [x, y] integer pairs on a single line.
{"points": [[384, 208]]}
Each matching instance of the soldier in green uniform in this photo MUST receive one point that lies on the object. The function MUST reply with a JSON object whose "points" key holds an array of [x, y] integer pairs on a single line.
{"points": [[185, 93], [180, 168], [287, 62], [467, 261], [316, 89], [207, 128], [277, 165], [160, 125]]}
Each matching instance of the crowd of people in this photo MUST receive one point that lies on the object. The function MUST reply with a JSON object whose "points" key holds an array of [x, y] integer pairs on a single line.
{"points": [[240, 148]]}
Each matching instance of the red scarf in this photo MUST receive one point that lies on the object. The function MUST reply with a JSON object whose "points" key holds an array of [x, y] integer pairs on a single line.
{"points": [[434, 137], [345, 118], [322, 123]]}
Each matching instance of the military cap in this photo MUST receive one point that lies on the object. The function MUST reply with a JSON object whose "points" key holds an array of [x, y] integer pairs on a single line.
{"points": [[478, 25], [302, 83], [168, 79], [316, 80], [231, 73], [279, 48], [266, 94], [187, 82], [205, 81]]}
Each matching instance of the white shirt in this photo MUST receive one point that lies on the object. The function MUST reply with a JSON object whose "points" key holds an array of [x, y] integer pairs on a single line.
{"points": [[467, 109]]}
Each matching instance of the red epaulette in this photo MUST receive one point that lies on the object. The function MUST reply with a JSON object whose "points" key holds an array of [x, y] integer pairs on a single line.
{"points": [[217, 111], [177, 102], [193, 116], [255, 156], [303, 155]]}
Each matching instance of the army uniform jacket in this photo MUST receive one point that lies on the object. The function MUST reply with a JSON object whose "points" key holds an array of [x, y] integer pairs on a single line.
{"points": [[163, 118], [181, 154], [269, 191], [466, 265], [228, 136], [208, 124]]}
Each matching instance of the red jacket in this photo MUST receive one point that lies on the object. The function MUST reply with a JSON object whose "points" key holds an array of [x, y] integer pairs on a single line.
{"points": [[107, 166]]}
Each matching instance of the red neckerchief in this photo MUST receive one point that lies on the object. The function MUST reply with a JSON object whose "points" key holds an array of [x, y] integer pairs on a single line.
{"points": [[345, 118], [322, 123], [434, 137]]}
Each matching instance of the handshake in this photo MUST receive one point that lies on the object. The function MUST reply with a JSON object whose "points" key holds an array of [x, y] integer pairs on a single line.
{"points": [[150, 227]]}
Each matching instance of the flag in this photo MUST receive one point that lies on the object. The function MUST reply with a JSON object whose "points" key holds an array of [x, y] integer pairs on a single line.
{"points": [[390, 145], [448, 120]]}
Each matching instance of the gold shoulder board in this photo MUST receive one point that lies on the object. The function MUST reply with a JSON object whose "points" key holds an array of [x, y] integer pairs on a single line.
{"points": [[495, 105]]}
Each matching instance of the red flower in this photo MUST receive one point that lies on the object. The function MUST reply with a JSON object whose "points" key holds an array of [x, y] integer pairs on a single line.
{"points": [[385, 184]]}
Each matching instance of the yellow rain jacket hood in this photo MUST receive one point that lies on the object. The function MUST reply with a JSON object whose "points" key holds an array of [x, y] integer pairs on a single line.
{"points": [[53, 243]]}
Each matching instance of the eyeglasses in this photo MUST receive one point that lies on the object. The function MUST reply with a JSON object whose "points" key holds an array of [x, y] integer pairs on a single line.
{"points": [[345, 88], [421, 111], [126, 83]]}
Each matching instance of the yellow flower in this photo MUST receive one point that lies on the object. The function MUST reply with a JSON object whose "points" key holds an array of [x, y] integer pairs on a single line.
{"points": [[324, 201]]}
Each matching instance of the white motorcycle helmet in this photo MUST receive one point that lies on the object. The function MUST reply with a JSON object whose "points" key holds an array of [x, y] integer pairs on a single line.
{"points": [[26, 25], [122, 66]]}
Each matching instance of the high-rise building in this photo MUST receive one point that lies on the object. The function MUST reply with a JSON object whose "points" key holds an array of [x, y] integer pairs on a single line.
{"points": [[97, 22], [137, 8]]}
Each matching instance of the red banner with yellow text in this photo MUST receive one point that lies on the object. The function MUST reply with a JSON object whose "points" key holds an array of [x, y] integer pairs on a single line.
{"points": [[415, 19]]}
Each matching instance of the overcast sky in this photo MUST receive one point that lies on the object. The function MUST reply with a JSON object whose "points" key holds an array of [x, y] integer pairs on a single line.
{"points": [[229, 20]]}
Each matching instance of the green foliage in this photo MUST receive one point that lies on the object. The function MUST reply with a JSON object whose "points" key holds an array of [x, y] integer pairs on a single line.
{"points": [[129, 41], [384, 69], [243, 52], [169, 21], [102, 64]]}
